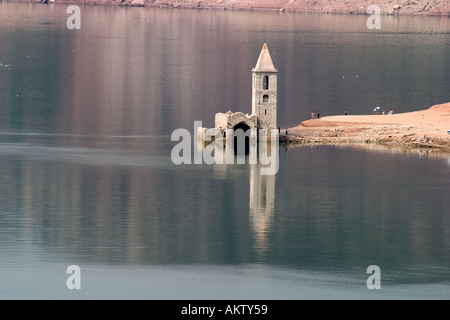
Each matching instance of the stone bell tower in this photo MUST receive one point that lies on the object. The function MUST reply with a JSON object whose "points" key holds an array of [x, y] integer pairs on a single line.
{"points": [[264, 91]]}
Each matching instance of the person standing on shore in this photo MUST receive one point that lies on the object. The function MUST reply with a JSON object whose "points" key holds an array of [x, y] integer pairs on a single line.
{"points": [[318, 115]]}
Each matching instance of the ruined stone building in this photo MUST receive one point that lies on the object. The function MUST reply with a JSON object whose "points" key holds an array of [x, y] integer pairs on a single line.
{"points": [[264, 100]]}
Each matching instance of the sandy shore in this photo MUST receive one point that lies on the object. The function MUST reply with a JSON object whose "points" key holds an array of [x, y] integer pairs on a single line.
{"points": [[420, 129]]}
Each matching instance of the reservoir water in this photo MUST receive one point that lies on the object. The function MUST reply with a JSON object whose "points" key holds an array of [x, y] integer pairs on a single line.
{"points": [[86, 176]]}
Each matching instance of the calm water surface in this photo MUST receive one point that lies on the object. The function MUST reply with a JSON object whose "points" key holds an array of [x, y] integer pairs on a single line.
{"points": [[87, 179]]}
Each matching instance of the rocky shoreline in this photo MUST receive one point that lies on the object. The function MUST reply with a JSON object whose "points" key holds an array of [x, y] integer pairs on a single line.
{"points": [[388, 7], [330, 138]]}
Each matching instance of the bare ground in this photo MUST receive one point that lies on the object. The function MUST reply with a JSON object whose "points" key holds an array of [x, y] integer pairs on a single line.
{"points": [[420, 129]]}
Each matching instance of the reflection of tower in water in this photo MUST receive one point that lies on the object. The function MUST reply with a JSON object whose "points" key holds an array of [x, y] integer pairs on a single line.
{"points": [[262, 205], [262, 184]]}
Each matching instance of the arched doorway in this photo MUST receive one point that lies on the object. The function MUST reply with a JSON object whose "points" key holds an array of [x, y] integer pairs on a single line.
{"points": [[241, 136]]}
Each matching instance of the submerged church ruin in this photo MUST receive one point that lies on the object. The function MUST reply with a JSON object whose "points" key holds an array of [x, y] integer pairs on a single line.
{"points": [[264, 104]]}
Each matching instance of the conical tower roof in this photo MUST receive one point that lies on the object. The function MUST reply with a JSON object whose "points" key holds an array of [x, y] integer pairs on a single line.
{"points": [[264, 61]]}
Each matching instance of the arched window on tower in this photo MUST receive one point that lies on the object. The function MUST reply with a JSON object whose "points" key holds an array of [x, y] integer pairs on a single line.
{"points": [[266, 83], [265, 98]]}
